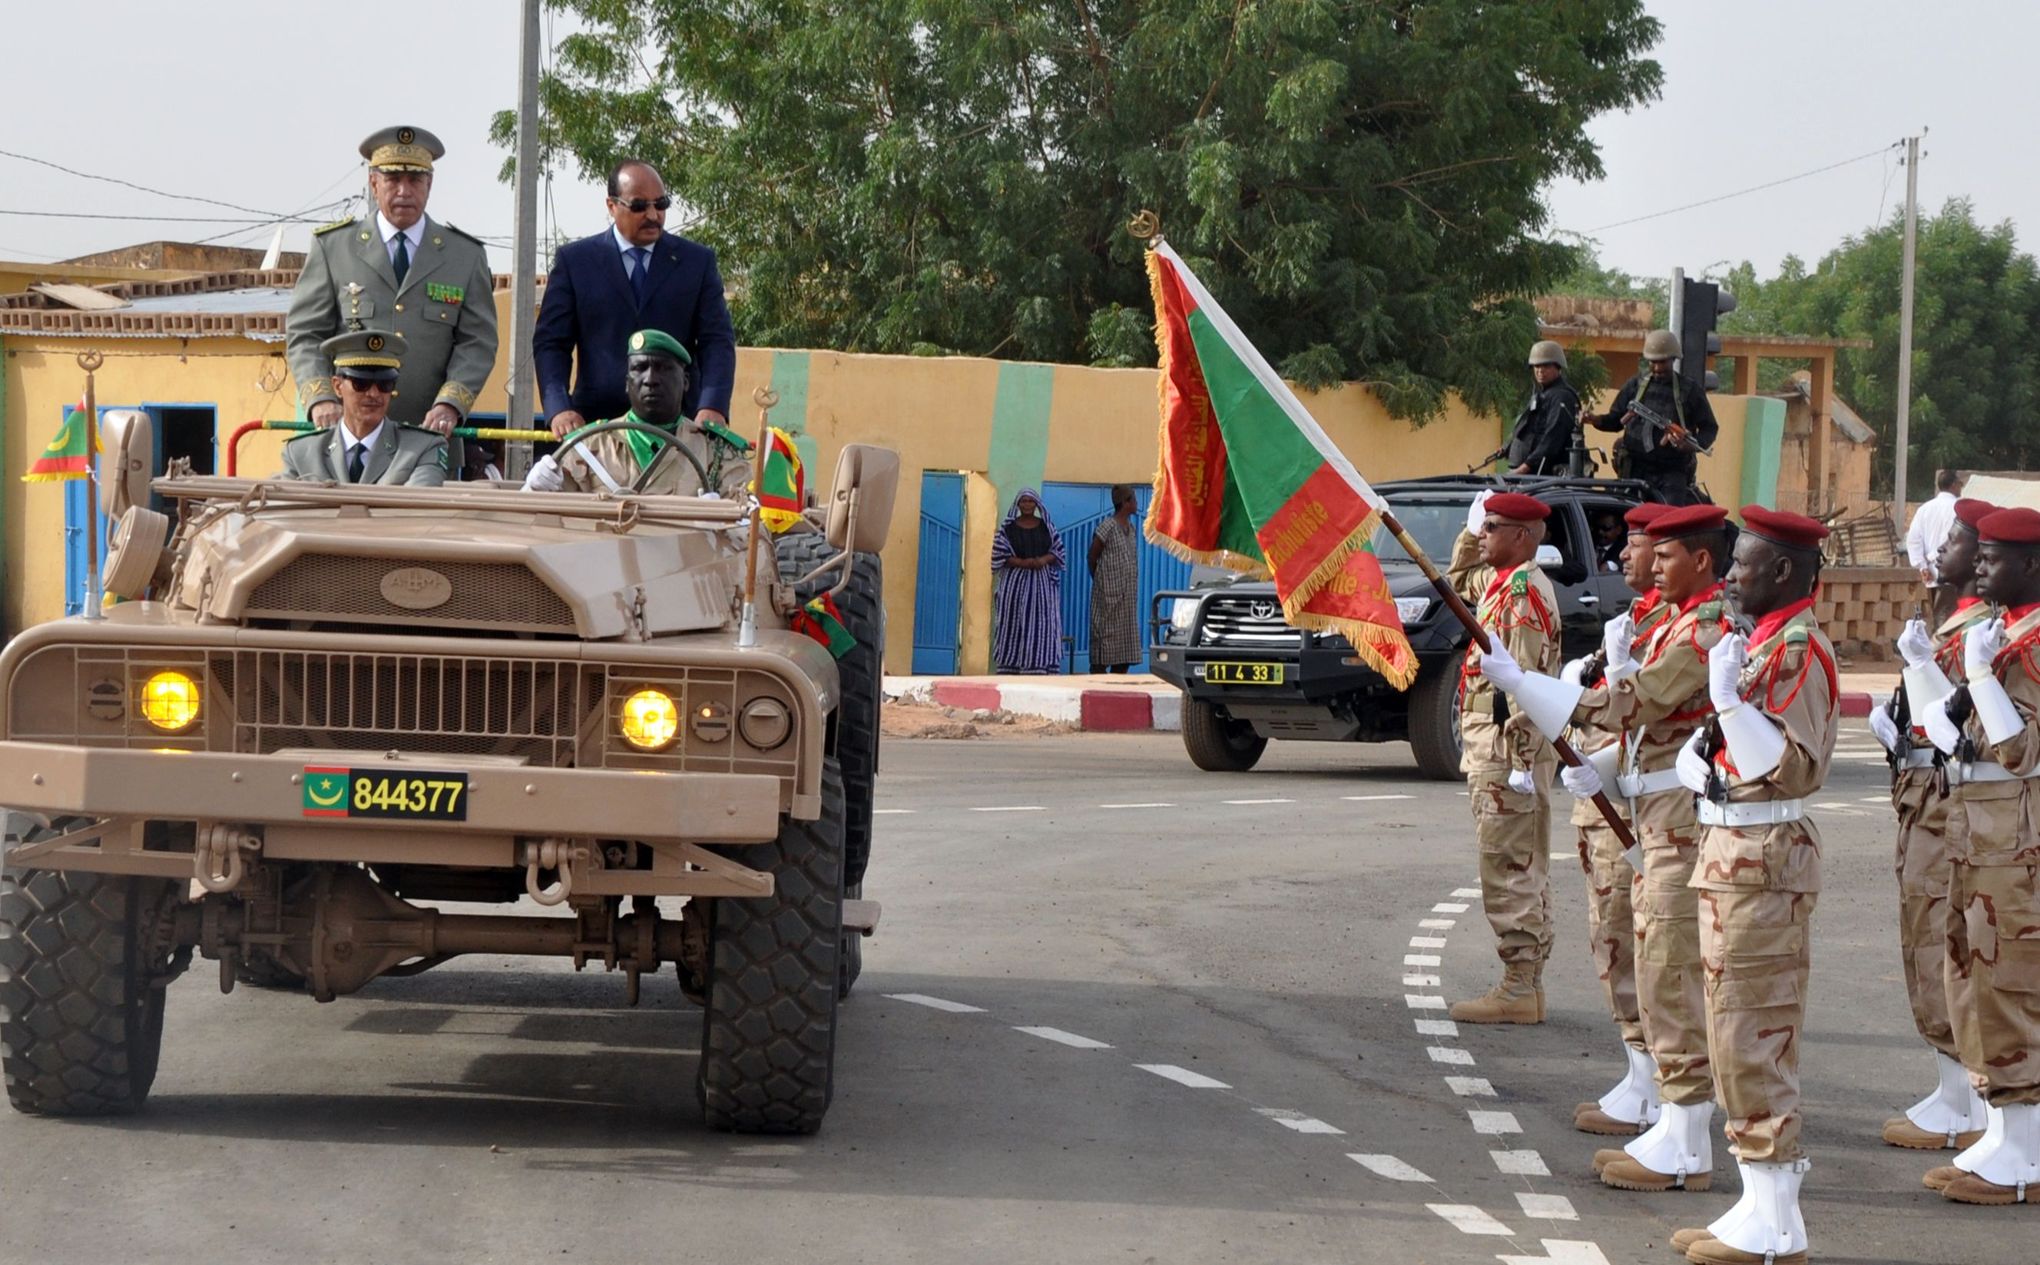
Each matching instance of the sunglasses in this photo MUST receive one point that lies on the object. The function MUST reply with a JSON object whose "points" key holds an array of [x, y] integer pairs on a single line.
{"points": [[638, 206], [368, 384]]}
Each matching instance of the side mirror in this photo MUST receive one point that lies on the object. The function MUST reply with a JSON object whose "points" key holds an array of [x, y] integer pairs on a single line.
{"points": [[127, 460], [1548, 557], [861, 502]]}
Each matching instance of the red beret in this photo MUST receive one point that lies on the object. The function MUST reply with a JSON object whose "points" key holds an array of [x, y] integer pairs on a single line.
{"points": [[1971, 512], [2011, 527], [1521, 508], [1640, 518], [1795, 531], [1688, 520]]}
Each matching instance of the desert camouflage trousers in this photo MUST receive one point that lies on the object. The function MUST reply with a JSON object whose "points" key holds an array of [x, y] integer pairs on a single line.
{"points": [[1670, 986], [1611, 924], [1514, 834], [1756, 949], [1922, 863], [1994, 977]]}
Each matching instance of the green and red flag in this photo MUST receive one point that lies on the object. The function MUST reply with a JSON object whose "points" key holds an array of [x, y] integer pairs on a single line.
{"points": [[823, 620], [69, 455], [1249, 480], [779, 483]]}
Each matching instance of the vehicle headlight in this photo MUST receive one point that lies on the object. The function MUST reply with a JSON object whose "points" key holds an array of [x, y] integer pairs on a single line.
{"points": [[649, 721], [1411, 610], [1181, 612], [169, 701]]}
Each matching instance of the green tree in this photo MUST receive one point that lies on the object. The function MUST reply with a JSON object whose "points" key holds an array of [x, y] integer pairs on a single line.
{"points": [[1357, 182]]}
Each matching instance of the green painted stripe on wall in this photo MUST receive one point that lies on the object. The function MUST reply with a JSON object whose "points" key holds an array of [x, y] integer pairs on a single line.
{"points": [[1763, 449], [1018, 453], [790, 381]]}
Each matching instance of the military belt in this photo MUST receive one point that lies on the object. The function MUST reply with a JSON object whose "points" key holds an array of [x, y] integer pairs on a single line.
{"points": [[1987, 771], [1760, 812], [1638, 785], [1920, 758]]}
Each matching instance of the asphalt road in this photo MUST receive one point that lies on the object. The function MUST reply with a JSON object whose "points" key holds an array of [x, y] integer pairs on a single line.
{"points": [[1117, 1011]]}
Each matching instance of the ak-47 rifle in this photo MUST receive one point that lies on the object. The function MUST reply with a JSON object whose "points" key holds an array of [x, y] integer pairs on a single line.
{"points": [[1665, 426], [1488, 460]]}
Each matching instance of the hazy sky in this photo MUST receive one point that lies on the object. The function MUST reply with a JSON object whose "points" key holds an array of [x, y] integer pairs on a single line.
{"points": [[262, 105]]}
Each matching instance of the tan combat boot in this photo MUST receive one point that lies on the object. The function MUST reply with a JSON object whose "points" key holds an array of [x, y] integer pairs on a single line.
{"points": [[1517, 999]]}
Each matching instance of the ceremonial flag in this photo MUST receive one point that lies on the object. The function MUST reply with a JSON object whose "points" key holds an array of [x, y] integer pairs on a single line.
{"points": [[67, 456], [1249, 480], [822, 620], [779, 483]]}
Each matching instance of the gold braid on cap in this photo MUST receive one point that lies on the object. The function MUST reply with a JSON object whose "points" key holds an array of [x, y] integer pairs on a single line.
{"points": [[403, 156]]}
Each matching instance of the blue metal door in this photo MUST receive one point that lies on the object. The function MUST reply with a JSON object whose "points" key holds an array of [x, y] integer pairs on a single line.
{"points": [[74, 525], [1076, 509], [938, 579]]}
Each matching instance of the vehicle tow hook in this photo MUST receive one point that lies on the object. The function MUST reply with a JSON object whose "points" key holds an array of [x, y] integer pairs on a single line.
{"points": [[558, 855], [219, 859]]}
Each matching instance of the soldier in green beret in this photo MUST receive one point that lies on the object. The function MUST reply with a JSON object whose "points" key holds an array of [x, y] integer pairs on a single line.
{"points": [[401, 272], [655, 380]]}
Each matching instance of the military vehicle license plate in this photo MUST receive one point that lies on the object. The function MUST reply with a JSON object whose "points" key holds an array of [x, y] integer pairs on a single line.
{"points": [[1243, 673], [386, 794]]}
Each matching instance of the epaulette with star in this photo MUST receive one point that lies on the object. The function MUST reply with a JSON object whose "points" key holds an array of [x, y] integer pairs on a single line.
{"points": [[716, 430], [334, 227]]}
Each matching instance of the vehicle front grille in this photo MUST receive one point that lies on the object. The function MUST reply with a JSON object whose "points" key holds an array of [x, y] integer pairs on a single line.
{"points": [[1245, 623], [323, 587], [532, 709]]}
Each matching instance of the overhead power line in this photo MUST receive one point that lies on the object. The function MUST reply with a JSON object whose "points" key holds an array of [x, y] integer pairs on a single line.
{"points": [[300, 218], [160, 193], [1757, 188]]}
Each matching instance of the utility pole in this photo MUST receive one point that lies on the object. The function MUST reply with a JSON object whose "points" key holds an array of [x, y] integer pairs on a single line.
{"points": [[524, 250], [1905, 331]]}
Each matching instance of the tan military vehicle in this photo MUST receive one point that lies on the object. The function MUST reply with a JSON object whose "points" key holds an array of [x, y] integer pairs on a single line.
{"points": [[328, 709]]}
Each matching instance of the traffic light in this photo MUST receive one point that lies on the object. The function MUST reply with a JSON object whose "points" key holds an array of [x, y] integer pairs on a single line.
{"points": [[1701, 305]]}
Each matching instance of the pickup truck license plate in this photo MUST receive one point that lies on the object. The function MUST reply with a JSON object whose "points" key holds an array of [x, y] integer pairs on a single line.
{"points": [[1243, 673], [385, 794]]}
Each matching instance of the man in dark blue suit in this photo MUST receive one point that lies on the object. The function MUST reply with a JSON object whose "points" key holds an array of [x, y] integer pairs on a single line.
{"points": [[635, 276]]}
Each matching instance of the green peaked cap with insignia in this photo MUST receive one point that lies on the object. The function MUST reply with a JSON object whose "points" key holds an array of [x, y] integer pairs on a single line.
{"points": [[658, 342]]}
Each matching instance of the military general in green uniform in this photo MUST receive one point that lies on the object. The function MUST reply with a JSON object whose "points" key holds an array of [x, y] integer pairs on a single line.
{"points": [[368, 446], [397, 271]]}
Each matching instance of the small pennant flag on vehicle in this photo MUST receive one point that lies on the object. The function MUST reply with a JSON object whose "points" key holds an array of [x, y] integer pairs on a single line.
{"points": [[780, 485], [67, 456], [1249, 480], [822, 620]]}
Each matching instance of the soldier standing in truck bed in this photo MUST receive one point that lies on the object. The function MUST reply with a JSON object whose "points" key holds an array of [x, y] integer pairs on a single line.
{"points": [[1663, 459]]}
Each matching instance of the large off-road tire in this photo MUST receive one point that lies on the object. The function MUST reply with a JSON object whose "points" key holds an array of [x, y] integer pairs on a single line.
{"points": [[1434, 720], [862, 675], [768, 1031], [1216, 743], [81, 1001]]}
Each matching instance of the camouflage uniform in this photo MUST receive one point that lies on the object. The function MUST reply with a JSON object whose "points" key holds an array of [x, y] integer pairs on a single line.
{"points": [[1994, 889], [1657, 708], [1758, 886], [1611, 925], [1519, 608], [1923, 800]]}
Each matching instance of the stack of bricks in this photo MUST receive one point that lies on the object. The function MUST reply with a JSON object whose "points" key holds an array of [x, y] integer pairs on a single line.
{"points": [[1863, 609]]}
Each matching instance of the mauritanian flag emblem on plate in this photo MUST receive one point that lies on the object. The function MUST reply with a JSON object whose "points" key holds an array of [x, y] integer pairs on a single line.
{"points": [[326, 791]]}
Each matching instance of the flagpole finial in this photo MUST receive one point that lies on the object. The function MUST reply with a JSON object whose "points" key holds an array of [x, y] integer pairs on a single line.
{"points": [[90, 361], [1145, 225], [765, 398]]}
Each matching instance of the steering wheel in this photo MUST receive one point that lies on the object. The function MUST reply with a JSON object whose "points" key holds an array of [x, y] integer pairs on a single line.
{"points": [[669, 442]]}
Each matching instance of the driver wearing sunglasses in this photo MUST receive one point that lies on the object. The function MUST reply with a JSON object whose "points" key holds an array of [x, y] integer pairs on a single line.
{"points": [[367, 447]]}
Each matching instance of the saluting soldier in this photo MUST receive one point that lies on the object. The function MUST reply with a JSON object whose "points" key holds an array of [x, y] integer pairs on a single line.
{"points": [[1655, 698], [1776, 700], [1993, 968], [368, 446], [655, 382], [398, 271], [1508, 768], [1923, 784], [1632, 1105]]}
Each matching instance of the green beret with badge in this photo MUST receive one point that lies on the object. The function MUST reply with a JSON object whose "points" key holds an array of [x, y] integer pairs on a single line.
{"points": [[657, 342]]}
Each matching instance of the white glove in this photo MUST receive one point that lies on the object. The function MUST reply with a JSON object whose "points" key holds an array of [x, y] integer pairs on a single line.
{"points": [[1916, 644], [1617, 635], [1884, 728], [1500, 667], [708, 496], [1941, 731], [1523, 782], [1692, 765], [1574, 670], [1476, 513], [1582, 781], [1980, 647], [1724, 671], [545, 476]]}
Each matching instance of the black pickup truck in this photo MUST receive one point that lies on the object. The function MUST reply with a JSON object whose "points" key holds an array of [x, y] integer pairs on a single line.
{"points": [[1282, 682]]}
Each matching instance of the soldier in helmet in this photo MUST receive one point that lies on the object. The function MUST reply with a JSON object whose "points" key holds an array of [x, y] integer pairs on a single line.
{"points": [[1661, 452], [1544, 429]]}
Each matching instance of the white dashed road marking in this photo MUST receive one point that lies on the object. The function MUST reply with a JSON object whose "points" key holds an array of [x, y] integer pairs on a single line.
{"points": [[1468, 1219], [937, 1003], [1560, 1252], [1064, 1038], [1437, 1028], [1257, 801], [1368, 799], [1493, 1123], [1427, 942], [1520, 1163], [1390, 1167], [1423, 1001], [1421, 981], [1449, 907], [1470, 1086], [1437, 924], [1420, 959], [1451, 1055], [1182, 1076], [1298, 1121], [1547, 1207], [1466, 891], [892, 812], [1136, 805]]}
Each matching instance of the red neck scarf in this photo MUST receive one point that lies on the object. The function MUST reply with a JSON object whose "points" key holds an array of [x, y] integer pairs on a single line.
{"points": [[1768, 626], [1704, 595]]}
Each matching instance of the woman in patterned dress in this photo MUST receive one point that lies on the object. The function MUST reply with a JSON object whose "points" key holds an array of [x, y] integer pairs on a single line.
{"points": [[1027, 567], [1115, 588]]}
